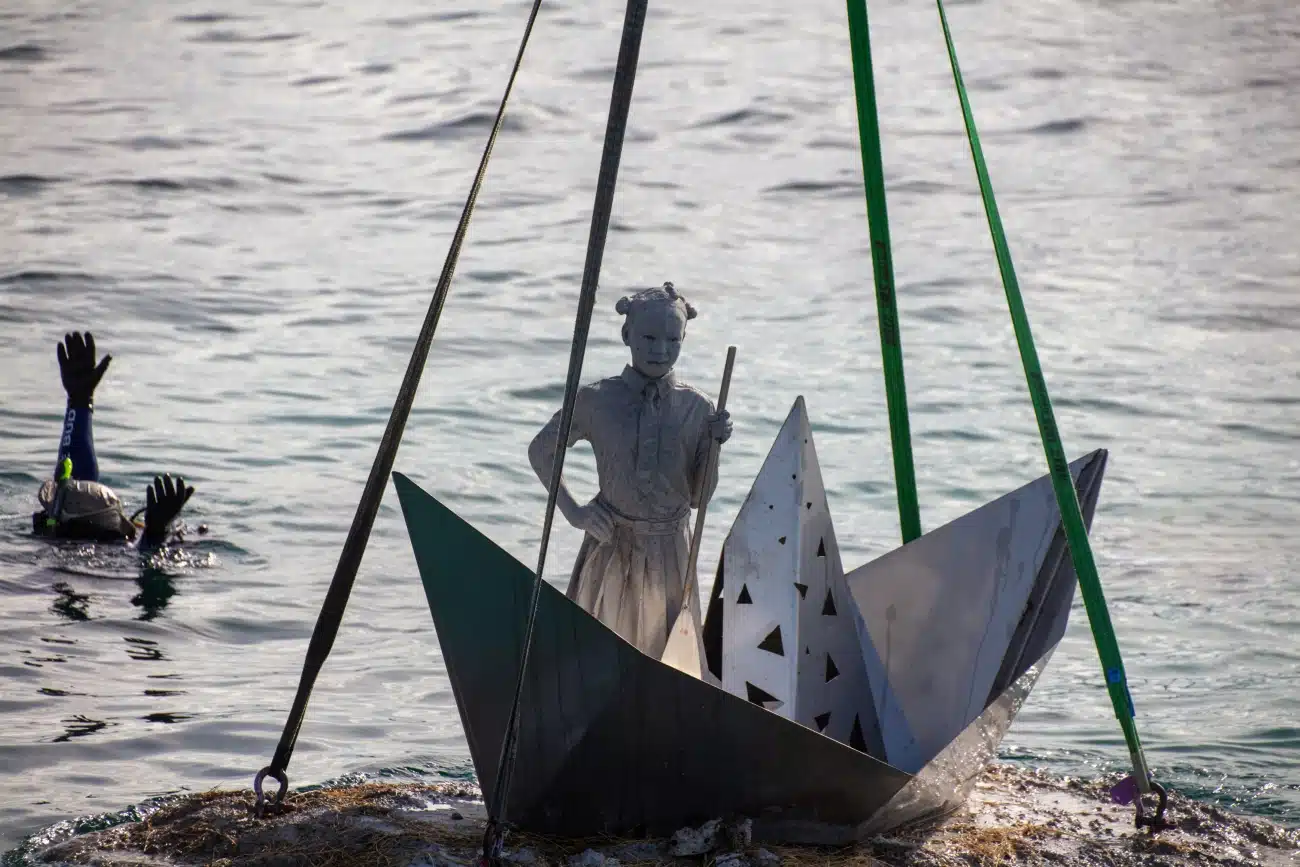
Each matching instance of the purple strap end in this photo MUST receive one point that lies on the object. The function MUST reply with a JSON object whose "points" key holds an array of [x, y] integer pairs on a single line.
{"points": [[1125, 791]]}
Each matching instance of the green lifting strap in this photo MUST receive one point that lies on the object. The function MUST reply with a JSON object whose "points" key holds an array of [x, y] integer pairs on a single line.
{"points": [[891, 346], [1075, 532]]}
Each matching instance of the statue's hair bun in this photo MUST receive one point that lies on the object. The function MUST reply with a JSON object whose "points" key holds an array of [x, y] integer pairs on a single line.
{"points": [[666, 294]]}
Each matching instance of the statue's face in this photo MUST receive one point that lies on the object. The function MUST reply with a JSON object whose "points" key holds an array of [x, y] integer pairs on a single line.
{"points": [[655, 334]]}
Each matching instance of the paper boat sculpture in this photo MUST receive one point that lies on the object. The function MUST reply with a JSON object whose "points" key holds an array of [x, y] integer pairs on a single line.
{"points": [[849, 703]]}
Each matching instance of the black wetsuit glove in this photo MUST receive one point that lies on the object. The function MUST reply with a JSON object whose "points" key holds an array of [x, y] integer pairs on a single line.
{"points": [[164, 500], [78, 370]]}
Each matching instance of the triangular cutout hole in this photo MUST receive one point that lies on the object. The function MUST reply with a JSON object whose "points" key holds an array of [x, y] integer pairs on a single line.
{"points": [[761, 697], [856, 740], [773, 644]]}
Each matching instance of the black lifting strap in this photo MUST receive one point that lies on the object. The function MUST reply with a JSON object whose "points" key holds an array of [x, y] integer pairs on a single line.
{"points": [[336, 600], [620, 103]]}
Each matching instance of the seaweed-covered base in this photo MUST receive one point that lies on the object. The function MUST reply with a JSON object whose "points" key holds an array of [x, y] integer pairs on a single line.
{"points": [[1012, 817]]}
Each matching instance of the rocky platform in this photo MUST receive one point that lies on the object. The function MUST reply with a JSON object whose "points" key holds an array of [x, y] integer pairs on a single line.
{"points": [[1012, 817]]}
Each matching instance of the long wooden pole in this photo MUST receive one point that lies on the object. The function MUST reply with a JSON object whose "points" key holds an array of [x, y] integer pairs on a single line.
{"points": [[708, 471], [683, 648]]}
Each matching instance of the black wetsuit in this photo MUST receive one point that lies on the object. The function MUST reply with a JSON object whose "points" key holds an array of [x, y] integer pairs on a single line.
{"points": [[74, 504], [64, 514]]}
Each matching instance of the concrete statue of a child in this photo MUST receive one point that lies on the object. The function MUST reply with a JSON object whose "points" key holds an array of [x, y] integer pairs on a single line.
{"points": [[651, 435]]}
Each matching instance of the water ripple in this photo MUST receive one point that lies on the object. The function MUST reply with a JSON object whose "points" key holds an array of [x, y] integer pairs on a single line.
{"points": [[24, 52]]}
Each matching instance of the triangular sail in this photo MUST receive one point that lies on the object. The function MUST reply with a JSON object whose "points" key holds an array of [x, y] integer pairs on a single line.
{"points": [[789, 625]]}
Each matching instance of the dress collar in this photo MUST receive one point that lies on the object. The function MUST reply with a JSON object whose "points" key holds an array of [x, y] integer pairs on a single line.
{"points": [[637, 381]]}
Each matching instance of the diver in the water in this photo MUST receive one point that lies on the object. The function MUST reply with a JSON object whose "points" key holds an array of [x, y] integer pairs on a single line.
{"points": [[74, 505]]}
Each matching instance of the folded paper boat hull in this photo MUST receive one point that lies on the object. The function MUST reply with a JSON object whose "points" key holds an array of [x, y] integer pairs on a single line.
{"points": [[614, 742]]}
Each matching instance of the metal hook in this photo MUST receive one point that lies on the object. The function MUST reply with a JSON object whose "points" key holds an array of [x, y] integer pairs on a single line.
{"points": [[262, 808], [1156, 822]]}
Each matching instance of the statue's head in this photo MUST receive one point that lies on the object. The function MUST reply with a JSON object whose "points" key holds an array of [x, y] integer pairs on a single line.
{"points": [[654, 328]]}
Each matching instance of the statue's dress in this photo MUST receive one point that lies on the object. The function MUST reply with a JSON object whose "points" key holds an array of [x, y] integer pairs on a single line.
{"points": [[651, 439]]}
